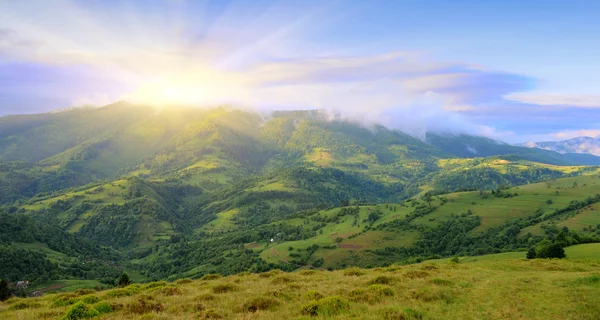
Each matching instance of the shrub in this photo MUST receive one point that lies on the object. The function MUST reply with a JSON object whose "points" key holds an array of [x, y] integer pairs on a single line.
{"points": [[382, 280], [282, 280], [80, 311], [224, 288], [354, 272], [313, 295], [170, 291], [591, 280], [260, 303], [153, 285], [24, 305], [144, 304], [63, 301], [89, 299], [429, 267], [211, 276], [326, 307], [278, 294], [212, 314], [441, 282], [125, 292], [184, 281], [360, 295], [416, 274], [429, 295], [381, 291], [307, 272], [397, 314], [206, 297], [270, 273], [103, 307], [83, 292]]}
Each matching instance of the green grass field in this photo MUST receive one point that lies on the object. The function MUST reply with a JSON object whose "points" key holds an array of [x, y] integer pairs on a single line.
{"points": [[587, 251], [537, 289]]}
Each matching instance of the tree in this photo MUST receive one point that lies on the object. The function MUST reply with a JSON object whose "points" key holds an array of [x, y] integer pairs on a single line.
{"points": [[531, 253], [547, 250], [124, 280], [4, 290]]}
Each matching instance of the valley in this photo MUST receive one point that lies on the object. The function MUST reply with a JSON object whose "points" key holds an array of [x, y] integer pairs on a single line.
{"points": [[187, 193]]}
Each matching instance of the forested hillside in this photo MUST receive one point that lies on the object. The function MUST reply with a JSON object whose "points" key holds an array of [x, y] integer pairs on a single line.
{"points": [[186, 192]]}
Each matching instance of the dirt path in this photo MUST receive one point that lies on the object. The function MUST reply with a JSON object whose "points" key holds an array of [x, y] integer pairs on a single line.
{"points": [[54, 287]]}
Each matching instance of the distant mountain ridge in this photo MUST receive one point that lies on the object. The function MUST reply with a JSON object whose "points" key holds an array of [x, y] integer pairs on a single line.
{"points": [[576, 145]]}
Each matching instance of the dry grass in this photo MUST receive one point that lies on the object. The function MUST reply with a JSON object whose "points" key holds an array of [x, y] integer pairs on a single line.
{"points": [[508, 289]]}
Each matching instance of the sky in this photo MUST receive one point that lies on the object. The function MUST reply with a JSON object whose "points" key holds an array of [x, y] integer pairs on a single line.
{"points": [[512, 70]]}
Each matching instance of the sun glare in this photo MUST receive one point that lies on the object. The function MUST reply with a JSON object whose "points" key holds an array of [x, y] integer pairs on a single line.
{"points": [[198, 90]]}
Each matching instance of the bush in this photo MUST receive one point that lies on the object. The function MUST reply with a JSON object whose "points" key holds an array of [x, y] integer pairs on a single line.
{"points": [[184, 281], [170, 291], [433, 294], [381, 291], [83, 292], [282, 280], [145, 304], [591, 280], [382, 280], [224, 288], [416, 274], [212, 314], [307, 272], [211, 276], [270, 273], [103, 307], [354, 272], [62, 301], [125, 292], [313, 295], [89, 299], [325, 307], [397, 314], [24, 305], [441, 282], [260, 303], [206, 297], [153, 285], [278, 294], [80, 311]]}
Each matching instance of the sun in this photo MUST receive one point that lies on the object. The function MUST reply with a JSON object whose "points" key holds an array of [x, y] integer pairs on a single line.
{"points": [[189, 90]]}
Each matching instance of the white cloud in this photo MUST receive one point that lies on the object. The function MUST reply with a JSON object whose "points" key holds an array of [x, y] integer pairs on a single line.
{"points": [[556, 99], [569, 134]]}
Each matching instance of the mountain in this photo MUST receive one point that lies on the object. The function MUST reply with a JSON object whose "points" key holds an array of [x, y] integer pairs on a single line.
{"points": [[576, 145], [183, 192], [462, 145]]}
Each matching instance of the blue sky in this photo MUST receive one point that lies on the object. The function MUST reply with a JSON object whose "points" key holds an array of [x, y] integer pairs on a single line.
{"points": [[513, 70]]}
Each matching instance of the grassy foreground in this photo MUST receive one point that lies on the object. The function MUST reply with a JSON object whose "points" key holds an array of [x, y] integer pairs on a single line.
{"points": [[501, 289]]}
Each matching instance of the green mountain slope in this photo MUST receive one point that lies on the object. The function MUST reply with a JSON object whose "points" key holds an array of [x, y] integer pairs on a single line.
{"points": [[186, 192]]}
